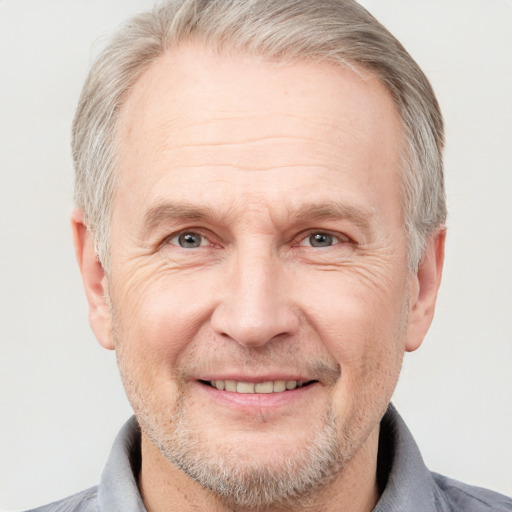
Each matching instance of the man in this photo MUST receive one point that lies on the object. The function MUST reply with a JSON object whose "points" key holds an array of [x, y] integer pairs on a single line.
{"points": [[260, 231]]}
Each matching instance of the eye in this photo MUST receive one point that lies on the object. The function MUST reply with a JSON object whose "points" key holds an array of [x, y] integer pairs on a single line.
{"points": [[188, 240], [320, 239]]}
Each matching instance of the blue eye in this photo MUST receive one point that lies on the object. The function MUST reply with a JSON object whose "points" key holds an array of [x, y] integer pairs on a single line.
{"points": [[188, 240], [320, 240]]}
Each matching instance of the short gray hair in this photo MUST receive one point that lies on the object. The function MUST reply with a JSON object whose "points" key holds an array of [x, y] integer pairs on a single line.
{"points": [[339, 31]]}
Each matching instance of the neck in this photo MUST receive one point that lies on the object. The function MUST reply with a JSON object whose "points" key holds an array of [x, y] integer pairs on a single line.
{"points": [[164, 487]]}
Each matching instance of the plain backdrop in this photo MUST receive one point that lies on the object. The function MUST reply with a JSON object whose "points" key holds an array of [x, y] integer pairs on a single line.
{"points": [[61, 401]]}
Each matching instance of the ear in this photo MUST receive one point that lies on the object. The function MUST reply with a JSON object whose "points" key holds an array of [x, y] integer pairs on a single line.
{"points": [[423, 291], [94, 280]]}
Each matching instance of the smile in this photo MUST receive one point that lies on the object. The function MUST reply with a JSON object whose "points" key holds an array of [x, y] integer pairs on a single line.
{"points": [[271, 386]]}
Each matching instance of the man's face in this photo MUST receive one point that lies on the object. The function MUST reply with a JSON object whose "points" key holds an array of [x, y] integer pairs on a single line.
{"points": [[258, 244]]}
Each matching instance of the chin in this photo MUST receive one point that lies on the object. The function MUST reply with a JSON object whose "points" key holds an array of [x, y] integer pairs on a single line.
{"points": [[253, 470]]}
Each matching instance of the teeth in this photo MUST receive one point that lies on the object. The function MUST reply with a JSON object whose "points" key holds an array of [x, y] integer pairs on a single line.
{"points": [[276, 386], [230, 385], [244, 387], [279, 386], [264, 387]]}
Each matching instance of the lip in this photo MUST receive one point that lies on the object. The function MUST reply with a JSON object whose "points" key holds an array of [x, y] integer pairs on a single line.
{"points": [[257, 402], [254, 379]]}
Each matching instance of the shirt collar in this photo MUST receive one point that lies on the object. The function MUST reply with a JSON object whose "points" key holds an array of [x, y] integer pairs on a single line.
{"points": [[410, 485], [118, 490]]}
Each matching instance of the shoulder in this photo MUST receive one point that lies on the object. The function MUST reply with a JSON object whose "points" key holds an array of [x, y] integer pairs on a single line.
{"points": [[468, 498], [85, 501]]}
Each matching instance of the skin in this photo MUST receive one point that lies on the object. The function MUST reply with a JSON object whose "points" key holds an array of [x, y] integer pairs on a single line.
{"points": [[255, 157]]}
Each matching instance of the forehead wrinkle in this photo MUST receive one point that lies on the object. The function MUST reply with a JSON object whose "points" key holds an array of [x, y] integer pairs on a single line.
{"points": [[250, 141], [270, 117], [172, 137], [170, 132]]}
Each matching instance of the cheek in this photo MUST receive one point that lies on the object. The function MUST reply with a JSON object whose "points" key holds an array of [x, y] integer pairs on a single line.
{"points": [[156, 315], [361, 323], [358, 319]]}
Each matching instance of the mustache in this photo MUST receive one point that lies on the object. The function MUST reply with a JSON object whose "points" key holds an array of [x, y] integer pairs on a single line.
{"points": [[257, 361]]}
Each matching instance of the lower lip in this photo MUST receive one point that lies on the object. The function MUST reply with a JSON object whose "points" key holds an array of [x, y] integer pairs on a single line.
{"points": [[257, 401]]}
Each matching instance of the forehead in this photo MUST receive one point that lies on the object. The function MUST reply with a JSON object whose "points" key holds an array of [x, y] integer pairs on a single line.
{"points": [[233, 123]]}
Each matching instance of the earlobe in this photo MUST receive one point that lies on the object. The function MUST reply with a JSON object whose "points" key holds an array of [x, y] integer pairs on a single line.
{"points": [[424, 290], [94, 281]]}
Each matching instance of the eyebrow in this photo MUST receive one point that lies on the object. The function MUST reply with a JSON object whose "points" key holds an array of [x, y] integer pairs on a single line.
{"points": [[168, 212], [174, 211], [359, 214]]}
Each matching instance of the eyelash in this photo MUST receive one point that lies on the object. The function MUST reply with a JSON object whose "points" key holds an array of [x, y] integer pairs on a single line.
{"points": [[183, 232], [339, 238]]}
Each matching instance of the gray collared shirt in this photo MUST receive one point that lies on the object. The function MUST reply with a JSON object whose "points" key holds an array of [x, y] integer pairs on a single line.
{"points": [[408, 485]]}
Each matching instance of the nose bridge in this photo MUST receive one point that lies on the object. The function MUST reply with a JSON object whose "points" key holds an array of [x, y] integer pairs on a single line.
{"points": [[256, 306], [256, 278]]}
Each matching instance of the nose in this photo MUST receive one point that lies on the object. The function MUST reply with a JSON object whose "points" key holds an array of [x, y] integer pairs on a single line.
{"points": [[255, 305]]}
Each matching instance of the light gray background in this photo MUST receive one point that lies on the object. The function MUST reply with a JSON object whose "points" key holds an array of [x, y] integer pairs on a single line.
{"points": [[61, 401]]}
